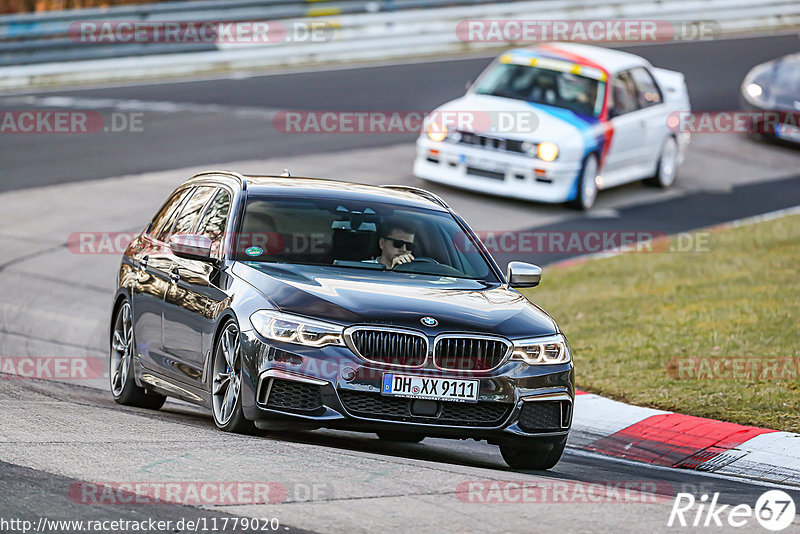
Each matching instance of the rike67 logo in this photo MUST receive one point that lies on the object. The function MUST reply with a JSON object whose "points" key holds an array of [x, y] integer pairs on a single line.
{"points": [[774, 510]]}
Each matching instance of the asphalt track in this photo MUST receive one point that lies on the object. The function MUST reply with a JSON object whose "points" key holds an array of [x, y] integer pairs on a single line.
{"points": [[54, 435], [226, 120]]}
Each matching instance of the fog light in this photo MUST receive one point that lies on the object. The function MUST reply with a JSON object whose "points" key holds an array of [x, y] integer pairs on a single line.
{"points": [[348, 374]]}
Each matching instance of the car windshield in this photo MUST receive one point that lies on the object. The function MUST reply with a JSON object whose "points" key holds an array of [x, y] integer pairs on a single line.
{"points": [[580, 94], [358, 234]]}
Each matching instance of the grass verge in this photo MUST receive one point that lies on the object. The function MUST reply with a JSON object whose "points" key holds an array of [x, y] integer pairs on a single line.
{"points": [[714, 334]]}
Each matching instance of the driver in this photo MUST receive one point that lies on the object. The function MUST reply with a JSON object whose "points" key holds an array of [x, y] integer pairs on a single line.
{"points": [[396, 244]]}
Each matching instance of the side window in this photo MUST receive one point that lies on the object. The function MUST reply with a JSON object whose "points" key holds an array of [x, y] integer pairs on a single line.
{"points": [[213, 223], [163, 220], [648, 92], [623, 94], [190, 214]]}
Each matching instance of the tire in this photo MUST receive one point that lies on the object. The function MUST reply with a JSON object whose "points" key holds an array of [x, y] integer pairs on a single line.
{"points": [[536, 456], [402, 437], [226, 383], [587, 185], [120, 365], [667, 167]]}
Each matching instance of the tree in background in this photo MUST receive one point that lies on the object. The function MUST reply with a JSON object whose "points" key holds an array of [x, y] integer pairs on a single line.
{"points": [[26, 6]]}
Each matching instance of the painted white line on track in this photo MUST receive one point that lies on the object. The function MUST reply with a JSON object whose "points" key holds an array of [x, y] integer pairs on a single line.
{"points": [[127, 104]]}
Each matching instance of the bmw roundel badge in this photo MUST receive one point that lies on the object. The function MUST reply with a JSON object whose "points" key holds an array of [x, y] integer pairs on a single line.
{"points": [[429, 321]]}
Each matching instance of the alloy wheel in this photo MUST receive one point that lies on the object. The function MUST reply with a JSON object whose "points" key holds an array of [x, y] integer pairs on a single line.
{"points": [[121, 350], [227, 382]]}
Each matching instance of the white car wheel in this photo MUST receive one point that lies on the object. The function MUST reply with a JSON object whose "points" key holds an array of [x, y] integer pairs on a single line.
{"points": [[587, 185], [667, 168]]}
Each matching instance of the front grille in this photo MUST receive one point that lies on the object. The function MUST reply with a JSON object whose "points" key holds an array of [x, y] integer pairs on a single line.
{"points": [[491, 143], [376, 406], [292, 396], [389, 347], [469, 354], [544, 416]]}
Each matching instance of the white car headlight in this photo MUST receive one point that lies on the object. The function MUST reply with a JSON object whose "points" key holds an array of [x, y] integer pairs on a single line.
{"points": [[437, 132], [453, 136], [547, 151], [294, 329], [542, 350], [529, 148]]}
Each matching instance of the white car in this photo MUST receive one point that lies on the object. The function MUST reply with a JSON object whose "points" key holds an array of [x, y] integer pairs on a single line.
{"points": [[556, 123]]}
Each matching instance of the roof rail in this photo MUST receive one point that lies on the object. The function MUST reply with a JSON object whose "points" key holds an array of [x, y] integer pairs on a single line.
{"points": [[419, 192], [238, 176], [283, 175]]}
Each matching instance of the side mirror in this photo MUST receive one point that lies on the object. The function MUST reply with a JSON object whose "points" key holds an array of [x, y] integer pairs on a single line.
{"points": [[191, 246], [522, 274]]}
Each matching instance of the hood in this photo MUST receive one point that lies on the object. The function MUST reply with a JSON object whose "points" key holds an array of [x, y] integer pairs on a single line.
{"points": [[510, 118], [357, 296]]}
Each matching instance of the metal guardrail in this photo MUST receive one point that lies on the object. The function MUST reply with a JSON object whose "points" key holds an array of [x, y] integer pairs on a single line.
{"points": [[361, 30], [50, 36]]}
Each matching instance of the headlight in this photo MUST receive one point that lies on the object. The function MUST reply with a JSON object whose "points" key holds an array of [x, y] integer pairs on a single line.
{"points": [[293, 329], [529, 147], [547, 151], [453, 136], [542, 350], [755, 87], [754, 90], [437, 132]]}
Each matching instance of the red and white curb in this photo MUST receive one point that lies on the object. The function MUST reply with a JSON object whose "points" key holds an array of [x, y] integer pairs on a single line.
{"points": [[683, 441]]}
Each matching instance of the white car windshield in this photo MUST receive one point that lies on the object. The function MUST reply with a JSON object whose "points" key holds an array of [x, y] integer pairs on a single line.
{"points": [[580, 94]]}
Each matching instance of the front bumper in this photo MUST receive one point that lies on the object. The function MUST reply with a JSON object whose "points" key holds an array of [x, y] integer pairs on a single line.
{"points": [[331, 387], [511, 175]]}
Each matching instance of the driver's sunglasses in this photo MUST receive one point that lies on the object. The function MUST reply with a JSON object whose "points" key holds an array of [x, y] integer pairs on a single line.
{"points": [[398, 243]]}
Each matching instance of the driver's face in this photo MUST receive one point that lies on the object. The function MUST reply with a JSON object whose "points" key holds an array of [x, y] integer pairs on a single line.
{"points": [[387, 244]]}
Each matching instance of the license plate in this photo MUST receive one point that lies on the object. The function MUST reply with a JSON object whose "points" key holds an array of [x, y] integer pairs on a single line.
{"points": [[788, 132], [485, 164], [423, 387]]}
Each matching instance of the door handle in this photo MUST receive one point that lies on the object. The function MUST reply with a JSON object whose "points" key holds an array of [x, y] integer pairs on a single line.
{"points": [[143, 263], [174, 276]]}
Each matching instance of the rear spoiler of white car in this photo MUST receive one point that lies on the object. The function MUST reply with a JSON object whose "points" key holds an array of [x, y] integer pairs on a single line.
{"points": [[674, 86]]}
